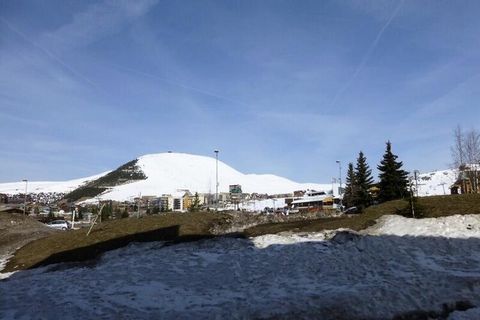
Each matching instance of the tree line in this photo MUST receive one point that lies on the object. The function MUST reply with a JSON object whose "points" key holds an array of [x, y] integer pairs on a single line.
{"points": [[361, 191]]}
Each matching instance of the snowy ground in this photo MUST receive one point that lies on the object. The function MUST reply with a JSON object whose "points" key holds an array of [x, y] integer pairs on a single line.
{"points": [[402, 265], [3, 263]]}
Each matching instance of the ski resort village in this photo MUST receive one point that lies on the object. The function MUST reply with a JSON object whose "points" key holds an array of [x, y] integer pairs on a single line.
{"points": [[222, 159]]}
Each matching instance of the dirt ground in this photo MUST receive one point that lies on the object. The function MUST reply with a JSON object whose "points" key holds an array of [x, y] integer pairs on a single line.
{"points": [[17, 230], [240, 221]]}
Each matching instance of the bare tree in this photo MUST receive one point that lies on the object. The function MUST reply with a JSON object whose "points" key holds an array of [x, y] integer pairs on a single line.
{"points": [[472, 156], [466, 154], [471, 145], [457, 149]]}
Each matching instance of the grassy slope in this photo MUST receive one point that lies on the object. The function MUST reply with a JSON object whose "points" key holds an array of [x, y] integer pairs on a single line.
{"points": [[437, 206], [76, 246], [16, 230], [123, 174]]}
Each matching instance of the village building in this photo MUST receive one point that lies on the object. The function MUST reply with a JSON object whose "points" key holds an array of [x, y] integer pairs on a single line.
{"points": [[468, 181], [3, 198]]}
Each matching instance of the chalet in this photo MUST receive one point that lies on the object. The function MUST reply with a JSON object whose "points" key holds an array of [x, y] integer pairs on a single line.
{"points": [[468, 182], [315, 201]]}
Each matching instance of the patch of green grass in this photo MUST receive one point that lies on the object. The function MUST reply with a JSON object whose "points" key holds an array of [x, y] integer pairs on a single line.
{"points": [[441, 206], [75, 245], [431, 207]]}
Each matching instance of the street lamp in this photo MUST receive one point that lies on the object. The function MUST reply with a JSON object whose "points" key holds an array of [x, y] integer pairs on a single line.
{"points": [[339, 176], [216, 179], [25, 198]]}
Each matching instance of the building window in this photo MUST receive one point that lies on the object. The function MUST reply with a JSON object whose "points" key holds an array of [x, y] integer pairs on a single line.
{"points": [[177, 204]]}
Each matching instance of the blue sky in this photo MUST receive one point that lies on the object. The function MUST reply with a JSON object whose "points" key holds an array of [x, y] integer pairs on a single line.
{"points": [[283, 87]]}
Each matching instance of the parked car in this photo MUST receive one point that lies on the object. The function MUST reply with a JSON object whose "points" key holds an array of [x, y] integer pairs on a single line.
{"points": [[58, 224], [351, 210]]}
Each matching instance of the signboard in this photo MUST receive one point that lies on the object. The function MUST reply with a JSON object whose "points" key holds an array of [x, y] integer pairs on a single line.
{"points": [[235, 188]]}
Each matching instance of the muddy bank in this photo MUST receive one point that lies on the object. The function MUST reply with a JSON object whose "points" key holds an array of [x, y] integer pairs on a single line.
{"points": [[17, 230]]}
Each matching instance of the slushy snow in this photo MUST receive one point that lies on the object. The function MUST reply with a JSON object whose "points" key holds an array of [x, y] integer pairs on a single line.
{"points": [[400, 265]]}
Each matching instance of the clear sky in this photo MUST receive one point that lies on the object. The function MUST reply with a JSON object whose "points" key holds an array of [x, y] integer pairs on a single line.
{"points": [[282, 87]]}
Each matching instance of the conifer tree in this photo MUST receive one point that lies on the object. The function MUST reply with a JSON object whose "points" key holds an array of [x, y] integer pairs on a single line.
{"points": [[350, 187], [195, 206], [393, 179], [364, 181]]}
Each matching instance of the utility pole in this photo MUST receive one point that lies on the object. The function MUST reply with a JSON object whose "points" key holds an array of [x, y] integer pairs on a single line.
{"points": [[25, 198], [416, 173], [412, 206], [138, 206], [216, 180], [340, 182]]}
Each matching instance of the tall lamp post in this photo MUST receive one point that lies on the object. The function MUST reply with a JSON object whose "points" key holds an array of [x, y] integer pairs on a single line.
{"points": [[339, 176], [25, 198], [216, 179], [340, 182]]}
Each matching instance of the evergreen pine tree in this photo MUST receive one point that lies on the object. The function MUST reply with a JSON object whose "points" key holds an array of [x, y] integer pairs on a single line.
{"points": [[364, 181], [393, 179], [350, 188], [195, 206]]}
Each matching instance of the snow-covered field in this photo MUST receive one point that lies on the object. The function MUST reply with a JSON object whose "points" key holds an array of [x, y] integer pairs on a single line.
{"points": [[399, 265]]}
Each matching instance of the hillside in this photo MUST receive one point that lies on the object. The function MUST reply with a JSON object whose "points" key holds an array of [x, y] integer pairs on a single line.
{"points": [[428, 207], [126, 173], [164, 173], [168, 172]]}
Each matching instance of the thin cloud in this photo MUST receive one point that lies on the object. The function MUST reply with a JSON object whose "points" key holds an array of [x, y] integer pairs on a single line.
{"points": [[46, 52], [181, 85], [96, 21], [367, 55]]}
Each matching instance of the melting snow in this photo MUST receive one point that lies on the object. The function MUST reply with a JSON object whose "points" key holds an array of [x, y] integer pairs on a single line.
{"points": [[403, 265]]}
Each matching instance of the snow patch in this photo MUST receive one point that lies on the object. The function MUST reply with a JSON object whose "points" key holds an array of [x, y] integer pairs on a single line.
{"points": [[3, 262], [456, 226]]}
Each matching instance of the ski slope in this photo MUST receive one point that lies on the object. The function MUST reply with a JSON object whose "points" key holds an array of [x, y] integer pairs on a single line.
{"points": [[46, 186], [436, 183]]}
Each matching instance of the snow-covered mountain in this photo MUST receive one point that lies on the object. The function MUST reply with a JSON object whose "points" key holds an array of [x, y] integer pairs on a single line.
{"points": [[166, 173]]}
